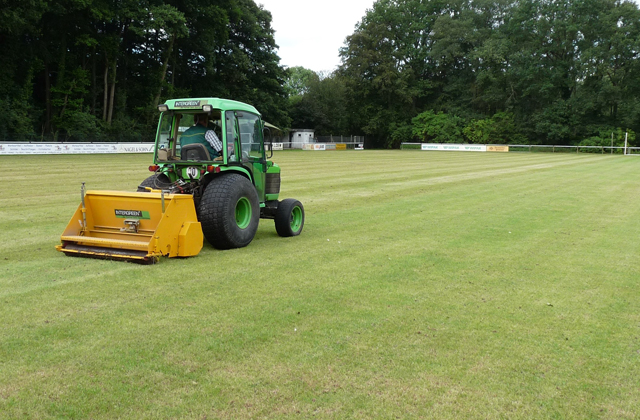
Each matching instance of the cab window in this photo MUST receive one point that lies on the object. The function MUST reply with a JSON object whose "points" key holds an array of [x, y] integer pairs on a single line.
{"points": [[184, 121], [246, 128], [232, 136]]}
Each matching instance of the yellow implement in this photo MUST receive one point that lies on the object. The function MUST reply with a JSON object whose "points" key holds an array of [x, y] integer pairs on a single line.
{"points": [[140, 226]]}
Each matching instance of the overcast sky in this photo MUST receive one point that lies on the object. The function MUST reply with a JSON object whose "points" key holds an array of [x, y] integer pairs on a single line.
{"points": [[310, 32]]}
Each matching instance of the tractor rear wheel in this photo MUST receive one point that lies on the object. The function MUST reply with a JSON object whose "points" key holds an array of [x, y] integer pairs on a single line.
{"points": [[155, 181], [289, 217], [229, 212]]}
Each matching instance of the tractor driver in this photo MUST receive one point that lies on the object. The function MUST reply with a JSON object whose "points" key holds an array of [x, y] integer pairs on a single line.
{"points": [[200, 134]]}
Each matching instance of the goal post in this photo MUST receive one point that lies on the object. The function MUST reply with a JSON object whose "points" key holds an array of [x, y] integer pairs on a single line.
{"points": [[630, 151]]}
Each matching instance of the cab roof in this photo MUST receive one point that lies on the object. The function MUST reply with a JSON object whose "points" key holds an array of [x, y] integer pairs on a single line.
{"points": [[196, 104]]}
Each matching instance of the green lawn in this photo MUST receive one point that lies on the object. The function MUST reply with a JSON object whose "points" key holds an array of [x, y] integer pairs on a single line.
{"points": [[424, 285]]}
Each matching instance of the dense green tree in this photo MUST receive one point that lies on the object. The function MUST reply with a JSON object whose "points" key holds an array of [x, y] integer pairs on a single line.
{"points": [[317, 101], [386, 65], [98, 68], [562, 69], [299, 80]]}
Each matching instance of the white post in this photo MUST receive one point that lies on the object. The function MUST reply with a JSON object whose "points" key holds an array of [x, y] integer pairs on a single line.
{"points": [[626, 136], [612, 142]]}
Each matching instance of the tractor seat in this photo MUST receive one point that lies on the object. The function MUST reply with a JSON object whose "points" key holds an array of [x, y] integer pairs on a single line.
{"points": [[195, 152]]}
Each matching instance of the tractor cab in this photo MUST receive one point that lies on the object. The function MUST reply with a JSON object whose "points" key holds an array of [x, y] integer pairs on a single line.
{"points": [[238, 126], [186, 150]]}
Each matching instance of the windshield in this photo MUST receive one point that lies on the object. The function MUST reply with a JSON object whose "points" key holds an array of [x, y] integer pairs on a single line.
{"points": [[172, 129]]}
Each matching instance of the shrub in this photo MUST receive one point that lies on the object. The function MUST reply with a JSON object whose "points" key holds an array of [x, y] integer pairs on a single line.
{"points": [[499, 129], [399, 133], [437, 128]]}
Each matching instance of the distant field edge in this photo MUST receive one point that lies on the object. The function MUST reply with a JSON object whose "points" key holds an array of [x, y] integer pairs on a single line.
{"points": [[531, 148]]}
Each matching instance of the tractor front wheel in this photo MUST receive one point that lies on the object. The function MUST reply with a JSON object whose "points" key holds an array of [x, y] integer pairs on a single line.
{"points": [[289, 217], [229, 212], [155, 181]]}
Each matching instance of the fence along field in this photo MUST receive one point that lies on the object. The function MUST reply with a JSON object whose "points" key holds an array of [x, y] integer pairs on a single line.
{"points": [[441, 285], [531, 148]]}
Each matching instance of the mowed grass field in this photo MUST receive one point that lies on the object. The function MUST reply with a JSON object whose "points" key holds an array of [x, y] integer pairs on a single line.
{"points": [[424, 285]]}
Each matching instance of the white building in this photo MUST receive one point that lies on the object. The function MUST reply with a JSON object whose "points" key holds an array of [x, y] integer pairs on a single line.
{"points": [[300, 137]]}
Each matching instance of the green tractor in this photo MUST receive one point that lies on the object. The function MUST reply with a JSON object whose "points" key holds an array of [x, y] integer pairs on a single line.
{"points": [[232, 188]]}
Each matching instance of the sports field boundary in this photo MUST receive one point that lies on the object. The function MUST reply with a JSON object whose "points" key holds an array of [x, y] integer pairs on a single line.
{"points": [[531, 148], [73, 148]]}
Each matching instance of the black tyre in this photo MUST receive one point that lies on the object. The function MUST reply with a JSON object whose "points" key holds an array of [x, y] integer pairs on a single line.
{"points": [[229, 212], [289, 217], [155, 181]]}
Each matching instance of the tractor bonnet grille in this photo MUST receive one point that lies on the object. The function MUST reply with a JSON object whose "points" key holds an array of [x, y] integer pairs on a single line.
{"points": [[272, 184]]}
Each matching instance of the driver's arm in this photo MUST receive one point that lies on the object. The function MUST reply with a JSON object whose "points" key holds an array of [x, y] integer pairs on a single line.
{"points": [[213, 141]]}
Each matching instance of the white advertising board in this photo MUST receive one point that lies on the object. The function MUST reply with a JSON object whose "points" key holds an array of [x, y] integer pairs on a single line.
{"points": [[455, 147], [15, 148], [314, 146], [135, 148]]}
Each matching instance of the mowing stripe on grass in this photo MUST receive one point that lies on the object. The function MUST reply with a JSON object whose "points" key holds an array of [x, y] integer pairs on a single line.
{"points": [[436, 285]]}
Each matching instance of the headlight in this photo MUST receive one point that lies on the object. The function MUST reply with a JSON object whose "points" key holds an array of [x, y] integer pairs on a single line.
{"points": [[207, 108], [163, 108]]}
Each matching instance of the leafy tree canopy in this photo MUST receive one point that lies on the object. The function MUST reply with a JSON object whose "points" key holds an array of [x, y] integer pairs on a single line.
{"points": [[560, 70], [96, 69]]}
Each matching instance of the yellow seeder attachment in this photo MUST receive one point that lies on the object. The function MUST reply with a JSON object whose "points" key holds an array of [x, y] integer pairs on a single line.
{"points": [[139, 226]]}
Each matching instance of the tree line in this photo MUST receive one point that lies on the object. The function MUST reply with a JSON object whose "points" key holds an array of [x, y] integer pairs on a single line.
{"points": [[487, 71], [478, 71], [97, 69]]}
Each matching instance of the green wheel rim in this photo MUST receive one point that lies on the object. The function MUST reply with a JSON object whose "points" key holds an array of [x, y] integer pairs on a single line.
{"points": [[243, 213], [296, 218]]}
